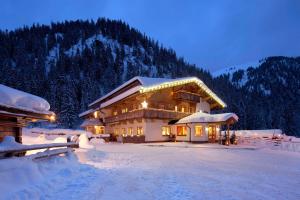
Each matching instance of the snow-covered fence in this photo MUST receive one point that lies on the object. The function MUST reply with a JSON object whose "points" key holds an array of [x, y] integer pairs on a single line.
{"points": [[272, 139], [9, 148]]}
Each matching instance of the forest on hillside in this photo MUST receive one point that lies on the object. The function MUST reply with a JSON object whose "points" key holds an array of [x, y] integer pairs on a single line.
{"points": [[72, 63]]}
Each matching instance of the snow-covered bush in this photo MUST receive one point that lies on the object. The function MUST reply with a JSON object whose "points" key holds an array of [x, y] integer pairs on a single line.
{"points": [[84, 142], [97, 141]]}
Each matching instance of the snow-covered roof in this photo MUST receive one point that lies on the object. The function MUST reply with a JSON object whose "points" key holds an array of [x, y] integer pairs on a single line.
{"points": [[12, 98], [91, 122], [200, 117], [150, 84], [86, 112]]}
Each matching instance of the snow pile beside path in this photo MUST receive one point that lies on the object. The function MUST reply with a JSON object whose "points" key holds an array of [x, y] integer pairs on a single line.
{"points": [[9, 143], [60, 140], [84, 142], [22, 178], [16, 173], [96, 141], [256, 133], [21, 100]]}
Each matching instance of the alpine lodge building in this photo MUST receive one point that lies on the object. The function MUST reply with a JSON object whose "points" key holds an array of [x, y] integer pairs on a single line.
{"points": [[157, 110]]}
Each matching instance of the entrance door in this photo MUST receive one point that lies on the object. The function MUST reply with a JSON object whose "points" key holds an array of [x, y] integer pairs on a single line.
{"points": [[212, 133]]}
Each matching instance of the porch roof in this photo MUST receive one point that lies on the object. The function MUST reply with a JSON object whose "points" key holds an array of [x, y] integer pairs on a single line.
{"points": [[91, 122], [200, 117]]}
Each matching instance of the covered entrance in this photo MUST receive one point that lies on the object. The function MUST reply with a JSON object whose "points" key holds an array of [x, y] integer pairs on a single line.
{"points": [[94, 126], [211, 122]]}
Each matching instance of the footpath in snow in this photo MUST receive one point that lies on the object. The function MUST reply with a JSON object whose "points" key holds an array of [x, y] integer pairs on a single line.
{"points": [[140, 171]]}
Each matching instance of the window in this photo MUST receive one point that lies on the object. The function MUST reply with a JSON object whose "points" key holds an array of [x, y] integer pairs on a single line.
{"points": [[130, 131], [116, 131], [176, 108], [99, 129], [96, 114], [123, 132], [124, 110], [198, 130], [182, 109], [139, 131], [181, 131], [115, 112], [166, 130]]}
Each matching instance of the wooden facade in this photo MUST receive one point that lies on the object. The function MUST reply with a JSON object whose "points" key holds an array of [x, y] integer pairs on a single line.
{"points": [[126, 109]]}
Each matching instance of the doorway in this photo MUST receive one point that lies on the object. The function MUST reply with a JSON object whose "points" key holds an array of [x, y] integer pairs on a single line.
{"points": [[212, 133]]}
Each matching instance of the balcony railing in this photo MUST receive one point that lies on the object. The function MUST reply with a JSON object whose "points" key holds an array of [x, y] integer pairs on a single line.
{"points": [[147, 113], [187, 96]]}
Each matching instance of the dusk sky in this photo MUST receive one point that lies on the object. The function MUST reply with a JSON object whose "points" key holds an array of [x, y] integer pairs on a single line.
{"points": [[210, 34]]}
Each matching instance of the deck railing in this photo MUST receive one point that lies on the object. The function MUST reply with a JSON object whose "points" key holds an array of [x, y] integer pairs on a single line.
{"points": [[151, 113]]}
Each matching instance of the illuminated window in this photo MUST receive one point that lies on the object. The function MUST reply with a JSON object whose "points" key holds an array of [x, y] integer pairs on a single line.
{"points": [[116, 131], [130, 131], [123, 131], [181, 130], [99, 129], [182, 109], [166, 130], [198, 131], [139, 131], [176, 108], [115, 112], [95, 114], [124, 110]]}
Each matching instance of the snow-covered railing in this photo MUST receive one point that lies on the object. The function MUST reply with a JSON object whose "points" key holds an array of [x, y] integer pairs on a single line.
{"points": [[11, 151]]}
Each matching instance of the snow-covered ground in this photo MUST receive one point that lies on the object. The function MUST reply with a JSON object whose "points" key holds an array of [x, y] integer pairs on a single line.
{"points": [[155, 171]]}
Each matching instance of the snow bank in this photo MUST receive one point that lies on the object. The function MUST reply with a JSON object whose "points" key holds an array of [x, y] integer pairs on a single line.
{"points": [[21, 100], [256, 133], [84, 142], [60, 140], [8, 143], [16, 173], [96, 141]]}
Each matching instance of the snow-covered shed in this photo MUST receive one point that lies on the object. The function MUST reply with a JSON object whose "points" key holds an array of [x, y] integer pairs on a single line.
{"points": [[202, 127], [18, 108]]}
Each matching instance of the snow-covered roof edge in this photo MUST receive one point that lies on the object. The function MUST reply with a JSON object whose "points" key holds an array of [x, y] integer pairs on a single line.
{"points": [[19, 100], [200, 117], [86, 112], [148, 84], [116, 89]]}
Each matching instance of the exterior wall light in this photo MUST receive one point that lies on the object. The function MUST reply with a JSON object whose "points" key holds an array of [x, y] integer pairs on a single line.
{"points": [[144, 104]]}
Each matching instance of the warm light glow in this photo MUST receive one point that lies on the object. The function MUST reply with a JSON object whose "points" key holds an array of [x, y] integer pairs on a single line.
{"points": [[182, 82], [96, 114], [206, 129], [52, 118], [144, 104], [176, 108], [200, 111], [218, 129]]}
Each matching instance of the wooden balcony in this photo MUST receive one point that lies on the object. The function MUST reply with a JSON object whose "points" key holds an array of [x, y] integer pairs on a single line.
{"points": [[150, 113], [187, 96]]}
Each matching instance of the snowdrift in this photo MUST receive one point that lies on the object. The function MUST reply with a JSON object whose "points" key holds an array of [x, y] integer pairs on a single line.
{"points": [[21, 100]]}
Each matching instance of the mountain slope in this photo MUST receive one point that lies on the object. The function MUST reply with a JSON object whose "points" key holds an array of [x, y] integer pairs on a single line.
{"points": [[75, 62]]}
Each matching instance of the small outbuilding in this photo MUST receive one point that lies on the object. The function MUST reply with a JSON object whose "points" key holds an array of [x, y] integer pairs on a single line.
{"points": [[203, 127], [18, 108]]}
